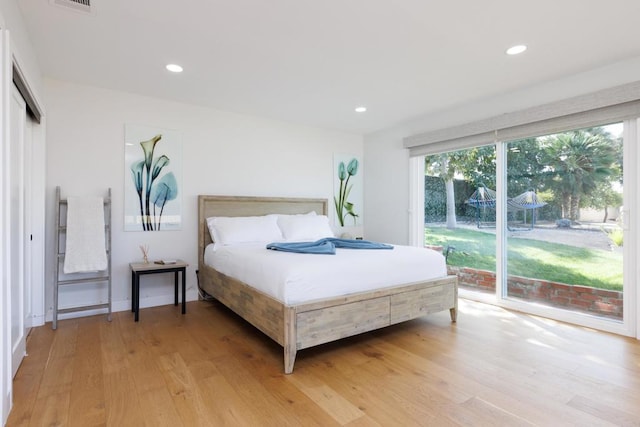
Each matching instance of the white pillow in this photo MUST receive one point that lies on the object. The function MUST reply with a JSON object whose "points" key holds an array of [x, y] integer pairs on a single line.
{"points": [[284, 217], [305, 227], [243, 229]]}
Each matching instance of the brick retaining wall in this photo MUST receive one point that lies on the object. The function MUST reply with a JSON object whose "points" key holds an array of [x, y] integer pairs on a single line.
{"points": [[573, 297]]}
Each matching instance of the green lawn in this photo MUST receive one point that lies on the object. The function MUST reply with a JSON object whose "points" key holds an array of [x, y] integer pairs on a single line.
{"points": [[532, 258]]}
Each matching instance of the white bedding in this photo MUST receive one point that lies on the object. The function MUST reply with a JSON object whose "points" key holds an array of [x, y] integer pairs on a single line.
{"points": [[295, 278]]}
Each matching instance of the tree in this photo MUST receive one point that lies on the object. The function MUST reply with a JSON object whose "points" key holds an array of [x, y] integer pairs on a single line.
{"points": [[572, 169], [440, 165], [578, 161], [477, 165], [603, 197], [525, 169]]}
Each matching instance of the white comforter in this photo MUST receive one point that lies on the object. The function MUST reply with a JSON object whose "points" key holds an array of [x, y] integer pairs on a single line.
{"points": [[296, 278]]}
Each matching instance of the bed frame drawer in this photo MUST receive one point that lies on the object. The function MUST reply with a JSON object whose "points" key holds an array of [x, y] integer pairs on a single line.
{"points": [[413, 304], [329, 324]]}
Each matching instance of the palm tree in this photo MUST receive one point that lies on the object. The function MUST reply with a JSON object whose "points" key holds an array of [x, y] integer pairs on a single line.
{"points": [[579, 160]]}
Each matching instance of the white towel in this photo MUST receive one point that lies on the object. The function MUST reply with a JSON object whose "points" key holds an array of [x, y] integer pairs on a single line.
{"points": [[85, 248]]}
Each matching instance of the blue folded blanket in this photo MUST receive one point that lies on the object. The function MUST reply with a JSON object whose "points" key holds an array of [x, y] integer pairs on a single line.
{"points": [[326, 246]]}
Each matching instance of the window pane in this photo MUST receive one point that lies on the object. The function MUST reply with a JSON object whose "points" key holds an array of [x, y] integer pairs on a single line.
{"points": [[460, 213], [564, 235]]}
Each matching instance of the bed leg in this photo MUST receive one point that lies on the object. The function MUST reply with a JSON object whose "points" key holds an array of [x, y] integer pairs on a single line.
{"points": [[454, 313], [289, 360], [290, 341]]}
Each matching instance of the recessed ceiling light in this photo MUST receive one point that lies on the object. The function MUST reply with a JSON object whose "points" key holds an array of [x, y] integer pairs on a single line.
{"points": [[514, 50], [361, 109], [174, 68]]}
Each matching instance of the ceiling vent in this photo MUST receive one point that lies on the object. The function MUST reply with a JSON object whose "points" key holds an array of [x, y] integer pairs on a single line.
{"points": [[83, 6]]}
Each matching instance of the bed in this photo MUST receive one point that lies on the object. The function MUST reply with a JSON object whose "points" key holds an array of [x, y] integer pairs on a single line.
{"points": [[300, 325]]}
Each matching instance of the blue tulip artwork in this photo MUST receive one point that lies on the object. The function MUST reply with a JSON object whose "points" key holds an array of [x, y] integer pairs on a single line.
{"points": [[345, 208]]}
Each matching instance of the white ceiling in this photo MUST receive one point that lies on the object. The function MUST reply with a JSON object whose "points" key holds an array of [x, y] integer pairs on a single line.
{"points": [[313, 62]]}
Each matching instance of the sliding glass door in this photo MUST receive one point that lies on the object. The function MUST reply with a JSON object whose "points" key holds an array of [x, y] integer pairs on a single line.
{"points": [[460, 214], [541, 224], [563, 221]]}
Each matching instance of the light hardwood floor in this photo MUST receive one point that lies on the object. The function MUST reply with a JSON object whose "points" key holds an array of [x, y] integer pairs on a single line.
{"points": [[209, 367]]}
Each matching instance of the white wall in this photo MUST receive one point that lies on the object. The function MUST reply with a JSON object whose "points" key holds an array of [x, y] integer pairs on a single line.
{"points": [[386, 164], [223, 153], [386, 188], [21, 47]]}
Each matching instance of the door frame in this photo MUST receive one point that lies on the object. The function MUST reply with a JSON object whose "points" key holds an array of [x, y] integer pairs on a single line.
{"points": [[10, 70], [631, 273], [5, 292]]}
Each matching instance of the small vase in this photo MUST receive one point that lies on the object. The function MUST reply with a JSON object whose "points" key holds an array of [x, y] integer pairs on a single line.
{"points": [[146, 259]]}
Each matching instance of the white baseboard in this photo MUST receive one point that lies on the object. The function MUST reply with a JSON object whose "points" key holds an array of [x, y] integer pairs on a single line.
{"points": [[6, 405], [36, 320], [192, 295]]}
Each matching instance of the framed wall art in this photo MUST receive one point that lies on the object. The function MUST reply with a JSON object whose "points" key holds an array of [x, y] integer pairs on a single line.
{"points": [[153, 173], [347, 190]]}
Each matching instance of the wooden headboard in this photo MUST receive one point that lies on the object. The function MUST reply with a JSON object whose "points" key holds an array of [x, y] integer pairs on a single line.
{"points": [[209, 206]]}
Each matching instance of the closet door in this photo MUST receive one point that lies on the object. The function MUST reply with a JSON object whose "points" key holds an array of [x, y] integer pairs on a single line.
{"points": [[17, 186]]}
